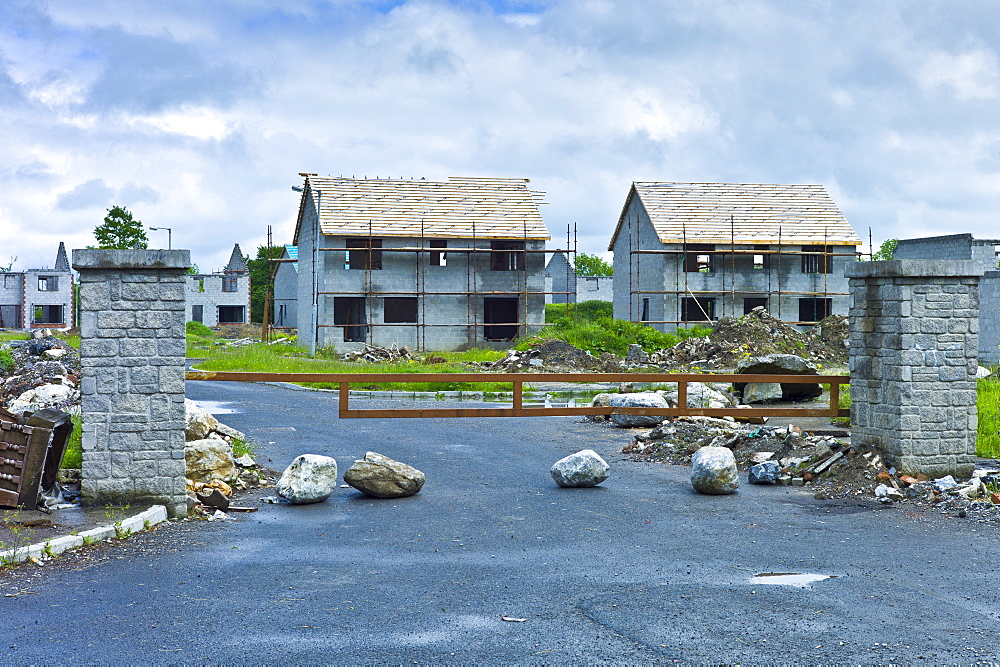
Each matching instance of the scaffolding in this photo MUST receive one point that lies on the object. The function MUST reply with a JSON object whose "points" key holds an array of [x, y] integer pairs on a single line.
{"points": [[727, 298], [474, 250]]}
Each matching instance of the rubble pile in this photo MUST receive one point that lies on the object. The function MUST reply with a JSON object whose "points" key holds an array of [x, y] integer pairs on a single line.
{"points": [[373, 354], [554, 356], [829, 467], [757, 333], [45, 374]]}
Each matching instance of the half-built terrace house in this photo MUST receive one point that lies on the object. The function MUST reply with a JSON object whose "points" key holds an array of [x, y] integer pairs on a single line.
{"points": [[38, 298], [694, 252], [437, 265], [220, 298]]}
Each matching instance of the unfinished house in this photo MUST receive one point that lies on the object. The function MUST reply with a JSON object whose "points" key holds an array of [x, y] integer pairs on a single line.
{"points": [[38, 298], [220, 298], [438, 265], [562, 285], [286, 290], [986, 253], [689, 253]]}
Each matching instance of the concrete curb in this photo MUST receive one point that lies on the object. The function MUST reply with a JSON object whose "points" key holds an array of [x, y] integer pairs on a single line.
{"points": [[57, 545]]}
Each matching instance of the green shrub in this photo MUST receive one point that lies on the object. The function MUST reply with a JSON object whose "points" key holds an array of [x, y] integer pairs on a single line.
{"points": [[585, 310], [7, 363], [605, 334], [73, 457], [988, 436], [198, 329]]}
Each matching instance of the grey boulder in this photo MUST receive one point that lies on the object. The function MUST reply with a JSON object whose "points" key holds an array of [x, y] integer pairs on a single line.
{"points": [[208, 460], [585, 468], [311, 478], [381, 477], [713, 471], [638, 400], [764, 473], [781, 364]]}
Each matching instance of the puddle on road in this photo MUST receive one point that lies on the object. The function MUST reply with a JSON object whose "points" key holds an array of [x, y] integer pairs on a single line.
{"points": [[216, 407], [788, 578]]}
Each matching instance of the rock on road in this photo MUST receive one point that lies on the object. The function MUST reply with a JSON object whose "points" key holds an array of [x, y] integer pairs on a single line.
{"points": [[639, 569]]}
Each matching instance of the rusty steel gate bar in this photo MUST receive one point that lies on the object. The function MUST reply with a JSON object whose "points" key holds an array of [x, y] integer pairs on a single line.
{"points": [[344, 380]]}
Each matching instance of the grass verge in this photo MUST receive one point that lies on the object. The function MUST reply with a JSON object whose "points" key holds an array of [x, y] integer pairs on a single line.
{"points": [[988, 437]]}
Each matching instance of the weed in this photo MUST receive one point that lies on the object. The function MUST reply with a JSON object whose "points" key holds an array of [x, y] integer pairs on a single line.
{"points": [[73, 457], [7, 363], [47, 550], [20, 535], [988, 436], [242, 448]]}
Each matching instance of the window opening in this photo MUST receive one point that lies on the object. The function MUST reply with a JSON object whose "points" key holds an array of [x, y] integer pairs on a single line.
{"points": [[229, 283], [504, 256], [10, 316], [198, 313], [231, 315], [48, 283], [816, 263], [644, 316], [399, 310], [48, 315], [438, 258], [761, 262], [699, 258], [364, 254]]}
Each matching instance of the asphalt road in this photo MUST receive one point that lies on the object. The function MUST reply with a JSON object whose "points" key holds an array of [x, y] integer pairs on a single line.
{"points": [[641, 569]]}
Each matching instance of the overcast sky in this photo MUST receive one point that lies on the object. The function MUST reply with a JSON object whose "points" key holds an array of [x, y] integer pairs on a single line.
{"points": [[199, 115]]}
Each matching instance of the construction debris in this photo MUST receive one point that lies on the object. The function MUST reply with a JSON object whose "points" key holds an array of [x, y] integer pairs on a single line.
{"points": [[553, 356], [756, 334], [373, 354]]}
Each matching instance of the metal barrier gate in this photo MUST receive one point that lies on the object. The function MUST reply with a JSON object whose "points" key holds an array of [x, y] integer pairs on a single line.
{"points": [[344, 380]]}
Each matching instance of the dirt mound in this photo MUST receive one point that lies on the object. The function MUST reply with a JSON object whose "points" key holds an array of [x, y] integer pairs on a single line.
{"points": [[756, 334], [554, 356]]}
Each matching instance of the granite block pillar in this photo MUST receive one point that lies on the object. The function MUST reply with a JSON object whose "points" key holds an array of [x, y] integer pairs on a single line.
{"points": [[132, 361]]}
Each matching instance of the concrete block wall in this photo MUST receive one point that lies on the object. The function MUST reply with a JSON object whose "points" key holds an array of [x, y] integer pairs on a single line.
{"points": [[989, 319], [399, 276], [913, 345], [132, 364], [595, 288]]}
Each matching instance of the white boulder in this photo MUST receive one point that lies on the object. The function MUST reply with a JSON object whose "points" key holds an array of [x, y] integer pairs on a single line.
{"points": [[310, 478], [638, 400], [713, 471], [198, 423], [45, 396], [209, 460], [381, 477], [585, 468]]}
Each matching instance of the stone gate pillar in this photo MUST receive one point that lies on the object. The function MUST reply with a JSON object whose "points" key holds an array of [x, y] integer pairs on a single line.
{"points": [[914, 339], [132, 361]]}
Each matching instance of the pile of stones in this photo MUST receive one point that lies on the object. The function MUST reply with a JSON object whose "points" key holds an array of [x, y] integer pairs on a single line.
{"points": [[45, 374], [373, 354]]}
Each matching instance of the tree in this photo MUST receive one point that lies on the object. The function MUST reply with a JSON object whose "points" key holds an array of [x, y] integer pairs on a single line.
{"points": [[261, 279], [119, 230], [885, 251], [592, 265]]}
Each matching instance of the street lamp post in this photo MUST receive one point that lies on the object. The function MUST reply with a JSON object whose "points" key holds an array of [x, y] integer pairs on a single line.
{"points": [[170, 235]]}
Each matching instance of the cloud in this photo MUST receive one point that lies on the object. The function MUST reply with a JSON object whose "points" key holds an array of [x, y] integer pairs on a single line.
{"points": [[92, 194], [131, 194], [969, 75], [153, 73]]}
